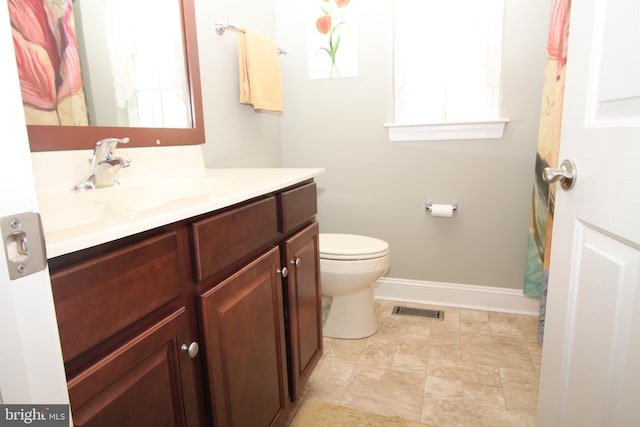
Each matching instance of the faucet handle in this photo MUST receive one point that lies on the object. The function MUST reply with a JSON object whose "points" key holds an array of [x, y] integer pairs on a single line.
{"points": [[105, 149]]}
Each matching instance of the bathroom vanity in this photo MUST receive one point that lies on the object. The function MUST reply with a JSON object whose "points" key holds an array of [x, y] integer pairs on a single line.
{"points": [[210, 316], [184, 296]]}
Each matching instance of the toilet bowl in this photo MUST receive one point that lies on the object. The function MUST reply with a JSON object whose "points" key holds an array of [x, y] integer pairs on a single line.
{"points": [[349, 266]]}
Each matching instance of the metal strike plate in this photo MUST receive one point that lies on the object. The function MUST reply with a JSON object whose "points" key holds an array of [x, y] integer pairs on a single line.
{"points": [[23, 244]]}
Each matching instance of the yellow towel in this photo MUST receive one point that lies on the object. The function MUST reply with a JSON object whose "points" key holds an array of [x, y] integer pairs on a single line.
{"points": [[260, 83]]}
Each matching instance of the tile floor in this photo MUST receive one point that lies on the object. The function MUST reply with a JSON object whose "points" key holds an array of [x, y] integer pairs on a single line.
{"points": [[474, 368]]}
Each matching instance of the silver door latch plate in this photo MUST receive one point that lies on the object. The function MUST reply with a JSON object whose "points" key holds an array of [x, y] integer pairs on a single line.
{"points": [[23, 244]]}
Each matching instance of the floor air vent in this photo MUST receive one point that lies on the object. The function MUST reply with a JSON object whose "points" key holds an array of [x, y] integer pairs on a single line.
{"points": [[420, 312]]}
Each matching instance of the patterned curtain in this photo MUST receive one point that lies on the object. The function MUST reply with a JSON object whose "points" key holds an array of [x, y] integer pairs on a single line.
{"points": [[540, 228]]}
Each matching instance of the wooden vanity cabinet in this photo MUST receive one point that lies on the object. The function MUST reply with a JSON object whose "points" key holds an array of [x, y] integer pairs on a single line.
{"points": [[128, 311]]}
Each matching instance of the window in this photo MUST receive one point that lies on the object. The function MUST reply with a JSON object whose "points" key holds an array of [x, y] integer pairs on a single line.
{"points": [[448, 67]]}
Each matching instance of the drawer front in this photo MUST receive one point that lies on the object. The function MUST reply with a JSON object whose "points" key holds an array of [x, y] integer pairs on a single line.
{"points": [[97, 298], [223, 239], [297, 206]]}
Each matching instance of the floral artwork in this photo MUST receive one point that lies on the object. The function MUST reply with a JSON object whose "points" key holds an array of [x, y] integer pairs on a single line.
{"points": [[48, 62], [332, 39]]}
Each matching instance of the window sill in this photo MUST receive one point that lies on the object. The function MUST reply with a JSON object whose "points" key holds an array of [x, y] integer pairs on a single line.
{"points": [[446, 131]]}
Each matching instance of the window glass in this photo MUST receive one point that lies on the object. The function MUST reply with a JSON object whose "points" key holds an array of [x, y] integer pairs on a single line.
{"points": [[448, 60]]}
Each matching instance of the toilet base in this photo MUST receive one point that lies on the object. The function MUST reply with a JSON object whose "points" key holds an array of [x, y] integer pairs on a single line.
{"points": [[351, 316]]}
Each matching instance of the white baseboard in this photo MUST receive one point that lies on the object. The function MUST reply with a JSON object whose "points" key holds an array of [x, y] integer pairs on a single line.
{"points": [[456, 295]]}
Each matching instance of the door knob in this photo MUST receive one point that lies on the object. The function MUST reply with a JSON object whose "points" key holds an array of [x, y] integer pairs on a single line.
{"points": [[191, 349], [566, 174], [296, 262]]}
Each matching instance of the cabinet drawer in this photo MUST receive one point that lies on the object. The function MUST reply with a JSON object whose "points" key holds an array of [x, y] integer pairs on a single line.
{"points": [[297, 206], [99, 297], [223, 239]]}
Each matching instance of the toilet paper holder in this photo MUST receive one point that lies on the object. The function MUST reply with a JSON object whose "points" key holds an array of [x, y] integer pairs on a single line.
{"points": [[428, 205]]}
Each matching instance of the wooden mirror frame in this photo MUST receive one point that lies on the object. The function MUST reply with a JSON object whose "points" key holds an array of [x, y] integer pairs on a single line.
{"points": [[53, 138]]}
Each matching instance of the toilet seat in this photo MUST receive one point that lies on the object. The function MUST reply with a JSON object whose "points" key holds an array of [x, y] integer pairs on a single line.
{"points": [[351, 247]]}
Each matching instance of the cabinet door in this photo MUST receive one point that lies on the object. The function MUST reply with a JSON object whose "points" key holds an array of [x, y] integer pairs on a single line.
{"points": [[243, 337], [143, 383], [304, 320]]}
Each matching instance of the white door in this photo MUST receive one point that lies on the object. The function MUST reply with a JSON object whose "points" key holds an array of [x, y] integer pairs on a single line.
{"points": [[591, 356], [31, 369]]}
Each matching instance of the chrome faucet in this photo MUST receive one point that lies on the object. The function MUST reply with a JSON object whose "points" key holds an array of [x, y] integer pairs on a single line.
{"points": [[104, 165]]}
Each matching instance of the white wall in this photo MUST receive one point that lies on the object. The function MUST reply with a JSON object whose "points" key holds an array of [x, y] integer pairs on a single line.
{"points": [[379, 188], [236, 135]]}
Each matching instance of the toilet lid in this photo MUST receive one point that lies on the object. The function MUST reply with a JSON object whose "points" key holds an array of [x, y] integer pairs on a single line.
{"points": [[351, 247]]}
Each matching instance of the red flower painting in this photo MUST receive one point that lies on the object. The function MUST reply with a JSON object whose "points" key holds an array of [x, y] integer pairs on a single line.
{"points": [[47, 57], [326, 26]]}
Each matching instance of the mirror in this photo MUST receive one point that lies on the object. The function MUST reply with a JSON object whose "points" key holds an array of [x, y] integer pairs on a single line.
{"points": [[88, 71]]}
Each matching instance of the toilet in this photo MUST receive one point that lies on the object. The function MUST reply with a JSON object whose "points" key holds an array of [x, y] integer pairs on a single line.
{"points": [[349, 266]]}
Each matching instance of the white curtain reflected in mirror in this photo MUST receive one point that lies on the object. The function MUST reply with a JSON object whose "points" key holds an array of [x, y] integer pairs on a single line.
{"points": [[109, 63], [134, 66]]}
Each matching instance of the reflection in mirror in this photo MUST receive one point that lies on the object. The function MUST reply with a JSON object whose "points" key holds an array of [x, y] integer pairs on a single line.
{"points": [[96, 66], [134, 69], [47, 57], [96, 62]]}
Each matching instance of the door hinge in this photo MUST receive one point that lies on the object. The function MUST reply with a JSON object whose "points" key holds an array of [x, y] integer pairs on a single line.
{"points": [[23, 244]]}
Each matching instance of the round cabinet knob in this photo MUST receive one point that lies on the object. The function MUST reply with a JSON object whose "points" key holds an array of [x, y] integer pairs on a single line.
{"points": [[296, 262], [284, 271], [191, 349]]}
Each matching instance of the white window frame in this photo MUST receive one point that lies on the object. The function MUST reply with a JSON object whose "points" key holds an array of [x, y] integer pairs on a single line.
{"points": [[488, 126]]}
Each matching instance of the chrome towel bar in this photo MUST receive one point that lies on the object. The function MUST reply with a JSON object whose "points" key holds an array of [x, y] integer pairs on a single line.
{"points": [[221, 28]]}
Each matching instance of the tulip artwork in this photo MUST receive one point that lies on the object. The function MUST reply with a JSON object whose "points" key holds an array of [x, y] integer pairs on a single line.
{"points": [[332, 44], [48, 62]]}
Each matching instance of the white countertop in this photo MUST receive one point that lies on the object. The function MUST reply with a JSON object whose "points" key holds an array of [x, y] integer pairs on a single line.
{"points": [[77, 220]]}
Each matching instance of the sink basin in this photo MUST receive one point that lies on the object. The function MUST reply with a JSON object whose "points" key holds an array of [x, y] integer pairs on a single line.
{"points": [[71, 209], [150, 194], [60, 211]]}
